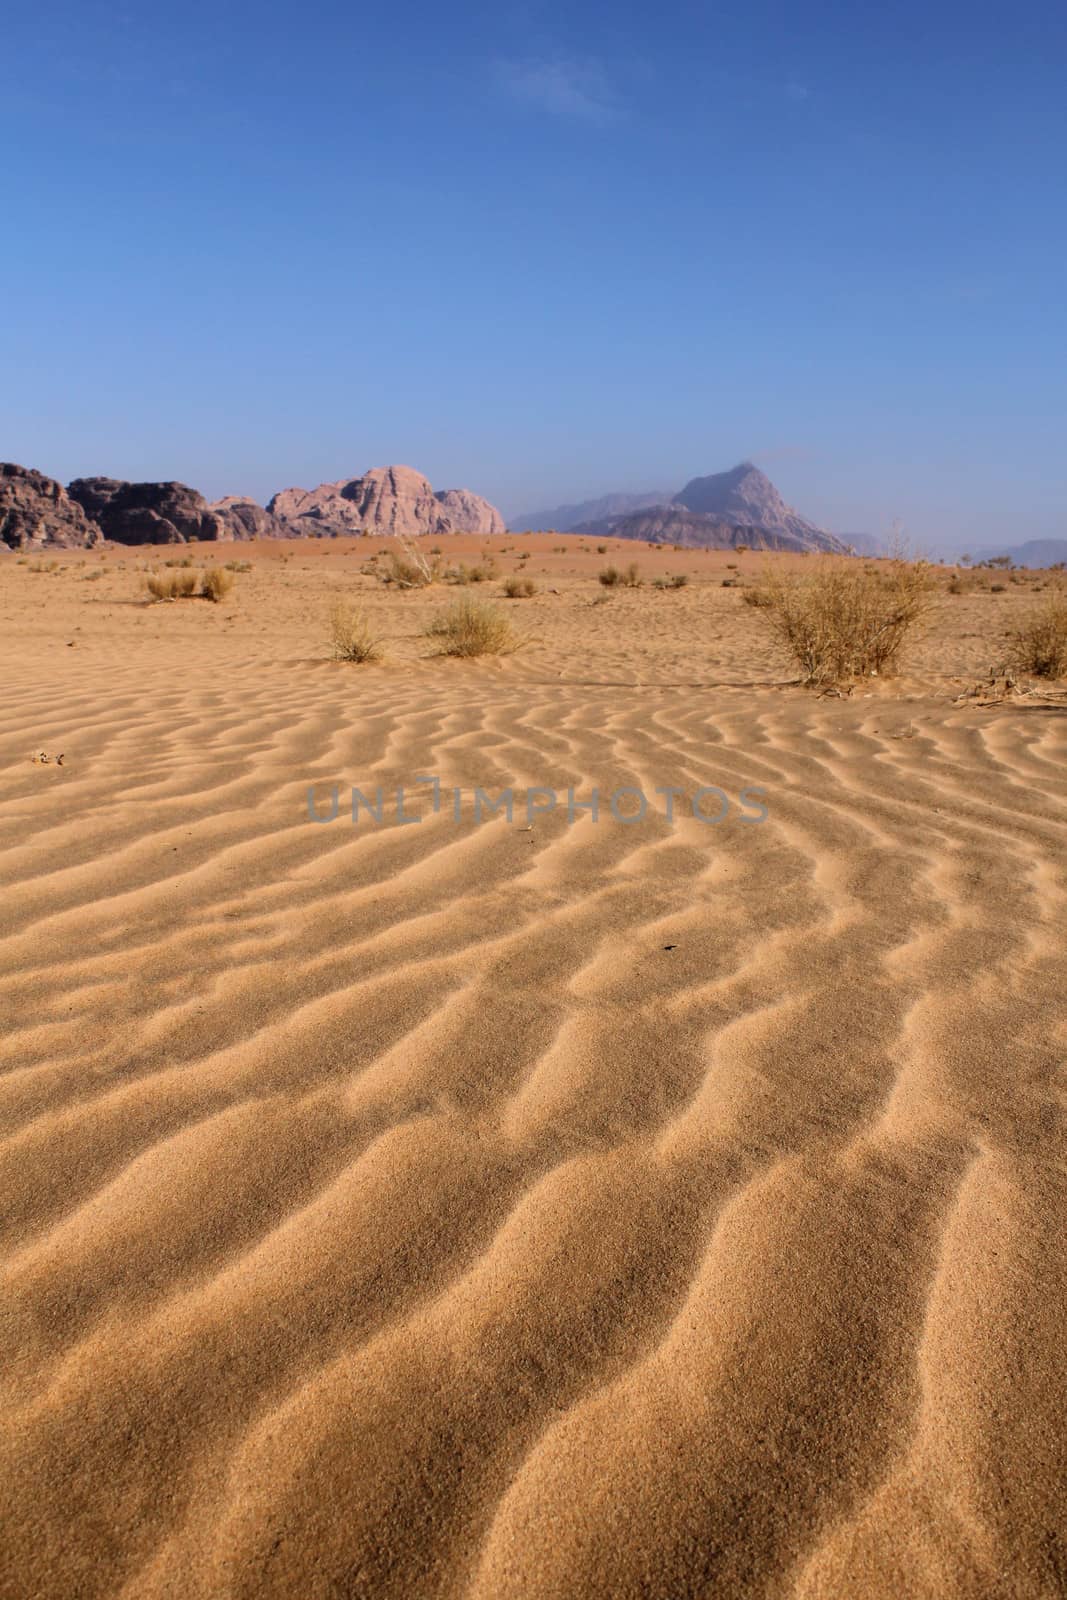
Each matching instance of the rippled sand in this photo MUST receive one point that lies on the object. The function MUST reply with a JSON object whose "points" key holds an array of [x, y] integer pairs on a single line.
{"points": [[469, 1210]]}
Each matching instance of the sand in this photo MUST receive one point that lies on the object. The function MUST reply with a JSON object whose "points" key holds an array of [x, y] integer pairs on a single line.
{"points": [[532, 1208]]}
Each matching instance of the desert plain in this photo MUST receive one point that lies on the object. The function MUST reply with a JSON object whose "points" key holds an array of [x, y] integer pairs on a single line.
{"points": [[534, 1207]]}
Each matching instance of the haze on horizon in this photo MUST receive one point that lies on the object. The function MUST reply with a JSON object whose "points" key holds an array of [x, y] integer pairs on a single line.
{"points": [[546, 255]]}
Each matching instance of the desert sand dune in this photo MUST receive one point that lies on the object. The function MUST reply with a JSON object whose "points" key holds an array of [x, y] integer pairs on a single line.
{"points": [[466, 1210]]}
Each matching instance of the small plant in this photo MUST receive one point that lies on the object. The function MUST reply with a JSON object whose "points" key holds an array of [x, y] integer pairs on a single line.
{"points": [[171, 585], [610, 576], [757, 597], [519, 588], [841, 622], [216, 584], [351, 636], [409, 569], [631, 578], [1040, 646], [601, 549], [472, 628], [238, 566]]}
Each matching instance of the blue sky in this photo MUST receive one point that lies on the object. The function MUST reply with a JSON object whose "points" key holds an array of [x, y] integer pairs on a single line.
{"points": [[545, 251]]}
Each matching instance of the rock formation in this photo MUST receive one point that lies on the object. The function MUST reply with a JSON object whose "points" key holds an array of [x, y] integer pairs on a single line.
{"points": [[719, 512], [247, 519], [694, 530], [469, 513], [588, 516], [36, 511], [394, 500], [148, 513], [747, 497]]}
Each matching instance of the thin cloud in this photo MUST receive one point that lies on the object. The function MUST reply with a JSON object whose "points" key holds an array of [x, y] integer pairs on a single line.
{"points": [[561, 87]]}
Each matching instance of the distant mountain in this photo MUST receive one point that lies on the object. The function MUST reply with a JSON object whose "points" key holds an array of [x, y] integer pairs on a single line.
{"points": [[1034, 553], [719, 512], [865, 544], [693, 530], [746, 497], [566, 519]]}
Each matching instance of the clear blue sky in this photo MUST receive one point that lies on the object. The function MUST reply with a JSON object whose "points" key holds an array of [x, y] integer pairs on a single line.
{"points": [[545, 251]]}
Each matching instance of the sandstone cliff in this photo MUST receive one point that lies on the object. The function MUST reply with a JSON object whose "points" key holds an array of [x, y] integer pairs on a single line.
{"points": [[36, 512]]}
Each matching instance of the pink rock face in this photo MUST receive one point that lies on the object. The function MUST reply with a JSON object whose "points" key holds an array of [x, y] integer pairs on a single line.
{"points": [[391, 500]]}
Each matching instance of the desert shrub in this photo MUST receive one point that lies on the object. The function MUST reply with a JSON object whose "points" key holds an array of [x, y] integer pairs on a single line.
{"points": [[238, 566], [171, 585], [216, 583], [1040, 646], [601, 549], [472, 628], [757, 597], [677, 580], [997, 588], [409, 568], [351, 637], [610, 576], [840, 621], [519, 588], [631, 578]]}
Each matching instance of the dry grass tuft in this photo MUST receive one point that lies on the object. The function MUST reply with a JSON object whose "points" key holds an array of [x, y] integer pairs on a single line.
{"points": [[844, 621], [216, 583], [1040, 646], [351, 636], [171, 585], [410, 568], [473, 628], [519, 588]]}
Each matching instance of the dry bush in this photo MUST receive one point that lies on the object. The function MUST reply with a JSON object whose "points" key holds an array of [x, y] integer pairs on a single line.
{"points": [[843, 621], [472, 628], [409, 568], [351, 636], [757, 596], [171, 585], [519, 588], [631, 578], [216, 583], [610, 576], [481, 572], [1040, 646]]}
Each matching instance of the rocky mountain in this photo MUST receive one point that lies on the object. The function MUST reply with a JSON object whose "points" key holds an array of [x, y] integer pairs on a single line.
{"points": [[393, 500], [587, 515], [36, 511], [693, 530], [247, 519], [747, 497], [1034, 553], [148, 513], [741, 506]]}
